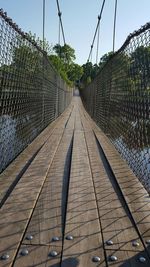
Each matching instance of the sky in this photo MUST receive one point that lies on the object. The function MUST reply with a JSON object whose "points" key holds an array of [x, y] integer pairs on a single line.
{"points": [[79, 20]]}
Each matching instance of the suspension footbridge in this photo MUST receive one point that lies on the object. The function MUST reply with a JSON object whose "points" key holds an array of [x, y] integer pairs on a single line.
{"points": [[74, 183]]}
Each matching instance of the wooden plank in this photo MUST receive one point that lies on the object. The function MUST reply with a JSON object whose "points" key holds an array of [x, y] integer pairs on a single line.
{"points": [[38, 256], [47, 219], [116, 225], [8, 177], [17, 210], [127, 180], [95, 212], [115, 222], [127, 258], [82, 216], [132, 190]]}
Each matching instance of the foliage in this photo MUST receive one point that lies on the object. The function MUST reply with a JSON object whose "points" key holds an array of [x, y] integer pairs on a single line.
{"points": [[24, 58], [90, 71], [65, 52], [63, 60], [140, 67], [104, 59], [74, 72], [44, 45]]}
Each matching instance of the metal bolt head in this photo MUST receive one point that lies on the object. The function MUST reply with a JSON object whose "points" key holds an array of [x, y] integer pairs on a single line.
{"points": [[69, 237], [5, 257], [24, 252], [96, 259], [53, 253], [142, 259], [135, 244], [29, 237], [109, 242], [55, 238], [113, 258]]}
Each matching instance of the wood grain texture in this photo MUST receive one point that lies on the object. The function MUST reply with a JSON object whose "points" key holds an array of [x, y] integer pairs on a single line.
{"points": [[103, 203], [126, 258], [38, 256], [115, 223], [17, 210], [82, 220], [133, 191], [8, 176], [47, 218]]}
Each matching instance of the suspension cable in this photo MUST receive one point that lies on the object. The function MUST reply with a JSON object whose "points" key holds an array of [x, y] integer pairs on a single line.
{"points": [[59, 29], [97, 44], [114, 29], [92, 54], [43, 23], [61, 24], [97, 26]]}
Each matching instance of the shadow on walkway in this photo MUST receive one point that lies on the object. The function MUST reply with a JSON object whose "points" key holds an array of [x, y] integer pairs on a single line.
{"points": [[70, 262]]}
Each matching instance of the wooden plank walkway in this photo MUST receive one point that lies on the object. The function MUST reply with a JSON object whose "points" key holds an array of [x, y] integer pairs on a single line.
{"points": [[70, 200]]}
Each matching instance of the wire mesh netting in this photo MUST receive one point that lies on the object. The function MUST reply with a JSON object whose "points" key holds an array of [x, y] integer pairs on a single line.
{"points": [[118, 100], [32, 94]]}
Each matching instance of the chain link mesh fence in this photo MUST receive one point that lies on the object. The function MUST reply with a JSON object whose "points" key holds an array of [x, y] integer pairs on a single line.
{"points": [[118, 100], [32, 94]]}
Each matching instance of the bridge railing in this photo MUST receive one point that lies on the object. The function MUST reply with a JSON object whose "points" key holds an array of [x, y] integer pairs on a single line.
{"points": [[32, 94], [118, 100]]}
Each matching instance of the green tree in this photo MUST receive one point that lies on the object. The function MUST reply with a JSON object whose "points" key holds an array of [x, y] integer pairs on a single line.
{"points": [[63, 60], [25, 59], [104, 59], [48, 48], [74, 72], [65, 52], [140, 67], [60, 67], [87, 71], [90, 71]]}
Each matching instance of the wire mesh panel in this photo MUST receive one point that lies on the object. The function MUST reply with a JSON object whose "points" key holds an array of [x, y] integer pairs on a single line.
{"points": [[29, 91], [120, 102]]}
